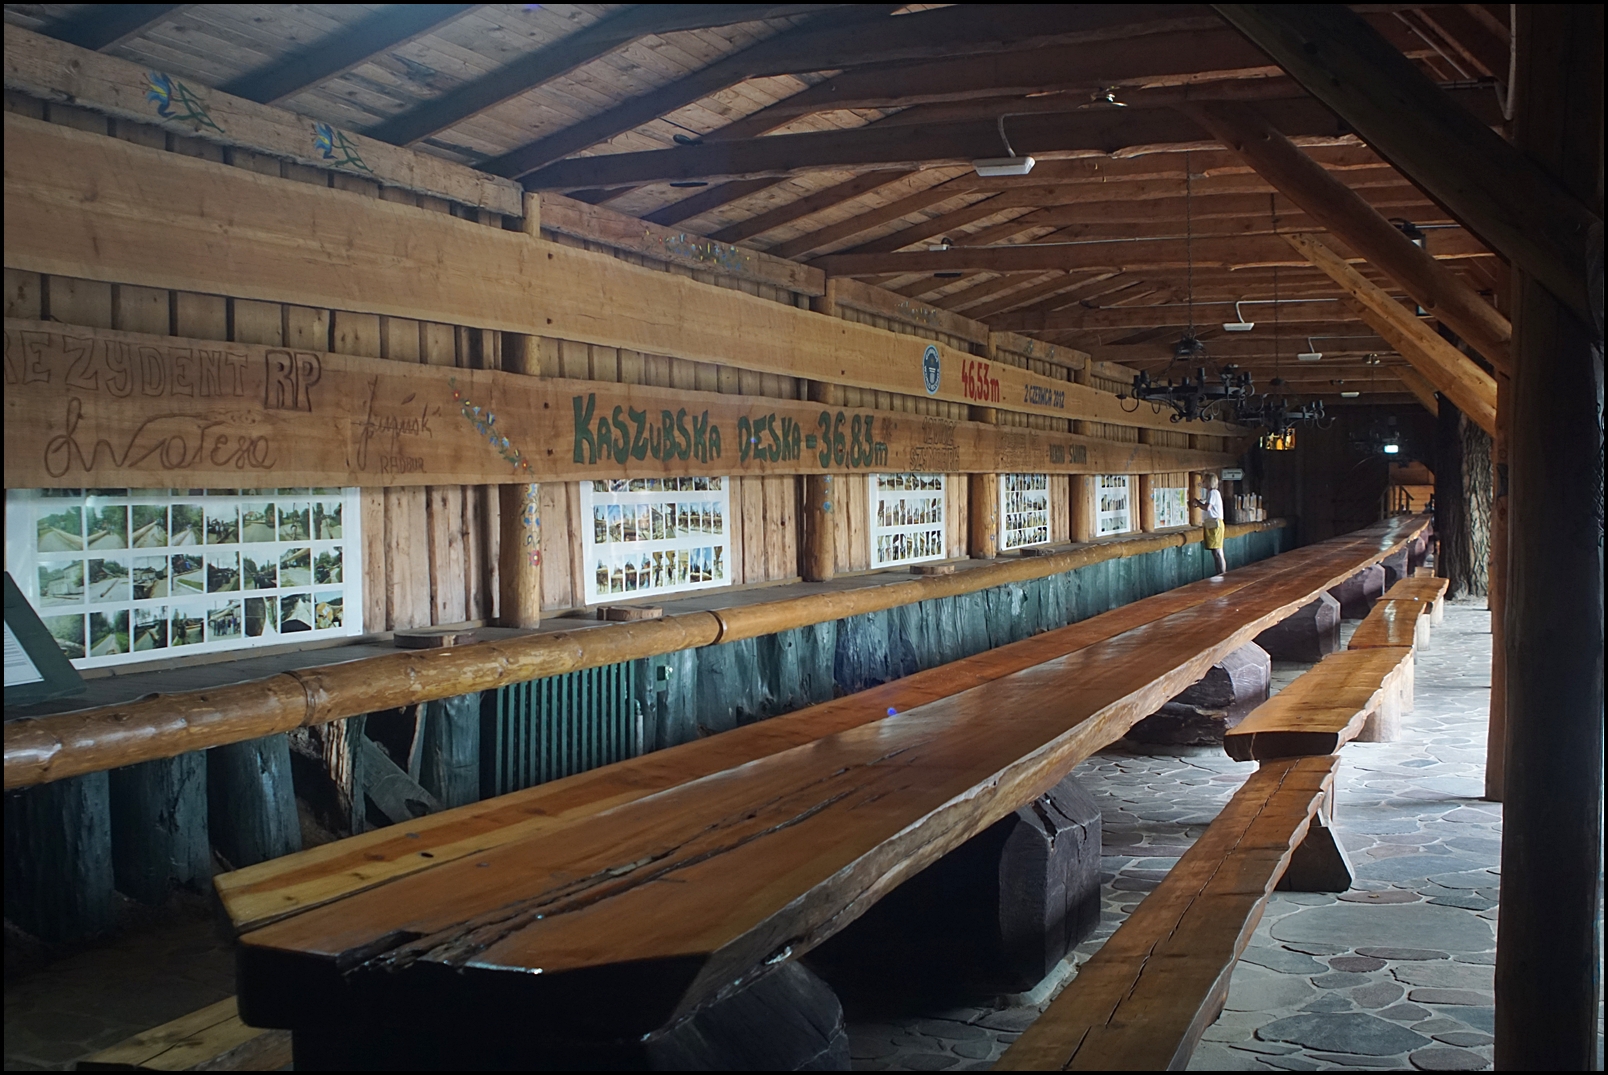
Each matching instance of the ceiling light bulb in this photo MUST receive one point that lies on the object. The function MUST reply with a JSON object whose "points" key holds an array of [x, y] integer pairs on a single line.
{"points": [[1309, 356], [1241, 325], [995, 167]]}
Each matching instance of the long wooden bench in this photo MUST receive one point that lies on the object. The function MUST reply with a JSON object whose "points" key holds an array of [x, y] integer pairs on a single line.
{"points": [[1348, 695], [1424, 588], [212, 1039], [1144, 999], [1394, 621], [678, 876]]}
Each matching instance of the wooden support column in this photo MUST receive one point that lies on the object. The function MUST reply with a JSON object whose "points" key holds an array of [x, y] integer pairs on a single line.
{"points": [[1452, 372], [982, 516], [1147, 504], [822, 501], [1549, 953], [519, 506], [1496, 581], [58, 877], [159, 827], [1350, 218], [251, 807], [1083, 507], [1197, 491]]}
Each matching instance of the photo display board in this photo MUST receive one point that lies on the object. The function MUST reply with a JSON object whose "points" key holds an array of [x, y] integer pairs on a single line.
{"points": [[1112, 498], [646, 536], [121, 576], [907, 519], [1172, 506], [1024, 510]]}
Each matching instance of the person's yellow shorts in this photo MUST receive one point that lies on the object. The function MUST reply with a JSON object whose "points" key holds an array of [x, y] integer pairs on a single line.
{"points": [[1214, 535]]}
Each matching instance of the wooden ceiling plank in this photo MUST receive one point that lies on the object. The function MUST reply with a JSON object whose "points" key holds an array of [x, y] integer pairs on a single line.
{"points": [[1345, 214], [1144, 316], [1497, 192], [561, 57], [705, 200], [1055, 289], [340, 52], [760, 223], [1452, 373], [910, 203], [644, 108], [100, 26]]}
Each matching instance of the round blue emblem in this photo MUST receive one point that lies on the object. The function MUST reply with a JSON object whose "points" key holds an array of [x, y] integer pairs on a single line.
{"points": [[930, 369]]}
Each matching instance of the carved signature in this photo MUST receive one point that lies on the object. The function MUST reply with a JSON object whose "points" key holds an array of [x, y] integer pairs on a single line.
{"points": [[389, 425], [177, 441]]}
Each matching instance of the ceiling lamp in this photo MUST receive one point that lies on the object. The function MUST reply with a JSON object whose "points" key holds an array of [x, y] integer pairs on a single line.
{"points": [[1311, 354], [994, 167], [1241, 325]]}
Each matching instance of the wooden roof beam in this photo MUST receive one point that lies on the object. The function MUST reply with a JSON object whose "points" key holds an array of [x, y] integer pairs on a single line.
{"points": [[910, 203], [1177, 253], [1058, 290], [341, 51], [1344, 213], [1498, 193], [815, 202], [1217, 311], [1452, 372], [565, 55], [1069, 132], [100, 26]]}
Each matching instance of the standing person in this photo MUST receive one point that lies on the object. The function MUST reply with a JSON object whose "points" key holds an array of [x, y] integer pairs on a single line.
{"points": [[1212, 505]]}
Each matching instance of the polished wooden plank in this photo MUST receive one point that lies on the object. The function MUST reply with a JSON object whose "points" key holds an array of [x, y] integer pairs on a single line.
{"points": [[212, 1039], [1393, 622], [1145, 998], [657, 903], [1431, 590], [1325, 708]]}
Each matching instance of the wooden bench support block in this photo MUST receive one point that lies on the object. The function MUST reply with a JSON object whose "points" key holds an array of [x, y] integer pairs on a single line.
{"points": [[1310, 635], [1325, 707], [1319, 862], [1396, 567], [58, 875], [1009, 904], [159, 826], [1358, 593], [212, 1039], [450, 765], [787, 1019], [1205, 712], [251, 807], [1384, 723], [1154, 987]]}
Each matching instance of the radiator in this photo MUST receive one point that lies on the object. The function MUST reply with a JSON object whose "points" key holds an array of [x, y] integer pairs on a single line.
{"points": [[545, 729]]}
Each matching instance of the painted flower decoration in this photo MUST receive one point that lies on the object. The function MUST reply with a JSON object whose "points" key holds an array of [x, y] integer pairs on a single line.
{"points": [[159, 91]]}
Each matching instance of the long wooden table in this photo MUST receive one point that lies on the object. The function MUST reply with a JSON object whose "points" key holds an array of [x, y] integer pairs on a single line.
{"points": [[613, 902]]}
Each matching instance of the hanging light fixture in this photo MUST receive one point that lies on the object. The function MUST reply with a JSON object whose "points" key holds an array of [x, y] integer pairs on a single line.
{"points": [[1011, 164]]}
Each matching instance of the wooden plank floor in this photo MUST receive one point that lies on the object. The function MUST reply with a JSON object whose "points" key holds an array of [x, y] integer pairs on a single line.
{"points": [[639, 911]]}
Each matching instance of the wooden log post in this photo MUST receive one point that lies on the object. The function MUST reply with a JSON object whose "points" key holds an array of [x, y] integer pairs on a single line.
{"points": [[159, 826], [1083, 491], [821, 504], [1147, 503], [982, 516], [450, 765], [1496, 582], [1197, 491], [58, 877], [519, 506], [251, 807], [1549, 954]]}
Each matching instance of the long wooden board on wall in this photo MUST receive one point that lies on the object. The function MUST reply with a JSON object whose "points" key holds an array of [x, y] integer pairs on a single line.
{"points": [[93, 407], [53, 70], [79, 204]]}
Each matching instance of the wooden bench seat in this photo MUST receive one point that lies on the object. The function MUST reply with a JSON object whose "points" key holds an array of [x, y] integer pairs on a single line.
{"points": [[1395, 621], [212, 1039], [1346, 696], [674, 879], [1422, 588], [1144, 999]]}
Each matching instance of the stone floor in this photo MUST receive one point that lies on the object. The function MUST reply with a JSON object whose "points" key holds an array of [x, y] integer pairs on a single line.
{"points": [[1394, 974]]}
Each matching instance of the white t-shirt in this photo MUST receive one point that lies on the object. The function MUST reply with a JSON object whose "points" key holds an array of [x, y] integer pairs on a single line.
{"points": [[1214, 506]]}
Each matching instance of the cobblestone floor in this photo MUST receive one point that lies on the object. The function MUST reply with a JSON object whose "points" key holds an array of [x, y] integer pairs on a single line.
{"points": [[1394, 974]]}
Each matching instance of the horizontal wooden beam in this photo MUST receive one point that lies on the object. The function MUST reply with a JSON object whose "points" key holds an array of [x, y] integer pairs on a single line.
{"points": [[1498, 192], [44, 749], [760, 223], [1075, 130], [1334, 207], [1170, 253], [875, 300], [1452, 373], [79, 411], [1109, 317], [598, 224], [51, 70], [80, 204]]}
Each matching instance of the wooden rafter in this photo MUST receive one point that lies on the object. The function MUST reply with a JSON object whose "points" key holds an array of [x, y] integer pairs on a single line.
{"points": [[100, 26]]}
